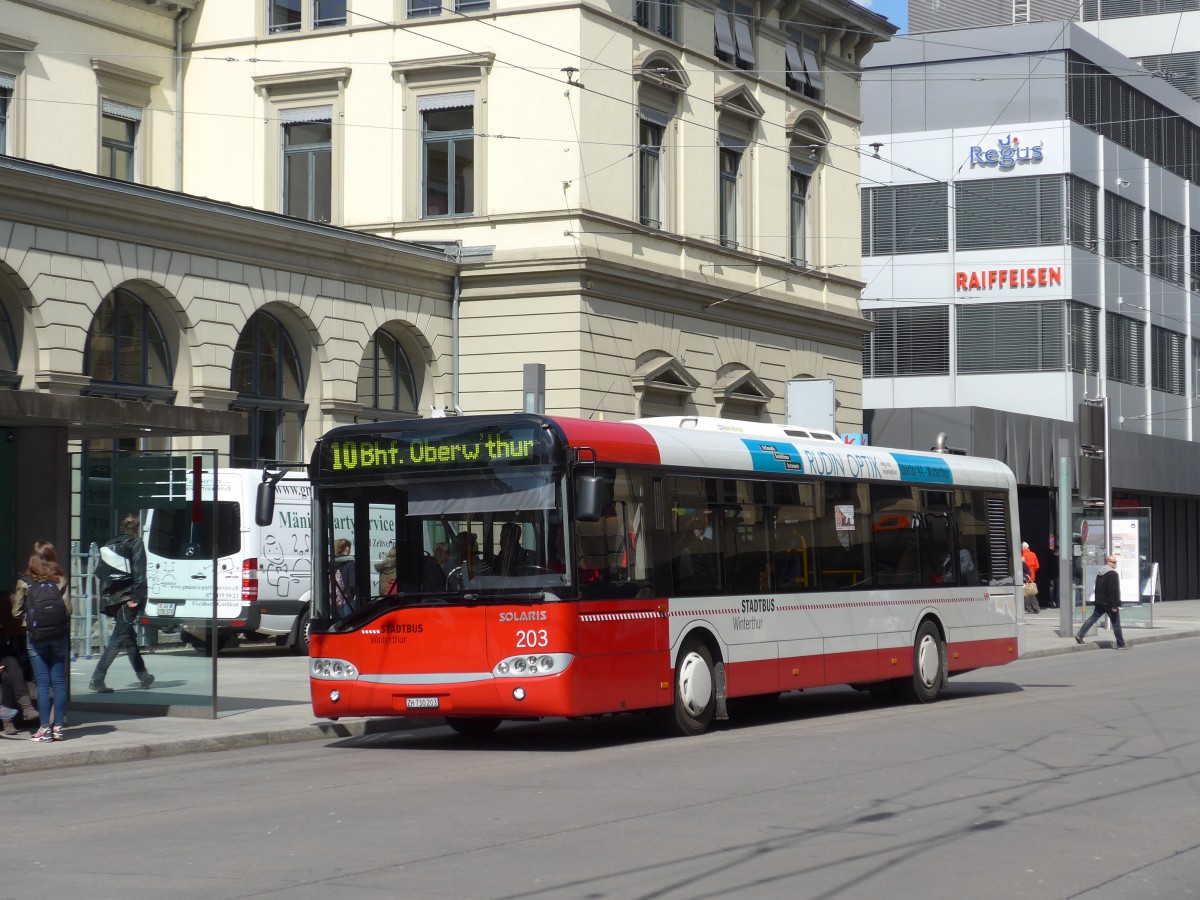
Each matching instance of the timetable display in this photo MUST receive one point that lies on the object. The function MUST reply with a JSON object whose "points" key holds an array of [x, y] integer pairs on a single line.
{"points": [[379, 453]]}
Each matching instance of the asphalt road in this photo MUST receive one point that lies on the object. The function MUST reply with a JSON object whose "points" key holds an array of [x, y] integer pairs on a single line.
{"points": [[1066, 776]]}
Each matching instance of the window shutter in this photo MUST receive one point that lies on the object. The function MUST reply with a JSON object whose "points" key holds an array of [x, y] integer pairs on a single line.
{"points": [[456, 100], [907, 341], [7, 82], [1021, 337], [1008, 212], [306, 114], [1123, 230], [724, 34], [1085, 338], [1167, 361], [1083, 208], [815, 79], [1166, 249], [1125, 342], [121, 111]]}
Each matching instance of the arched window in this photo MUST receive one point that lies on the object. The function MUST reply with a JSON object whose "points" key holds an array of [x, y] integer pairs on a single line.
{"points": [[270, 387], [386, 385], [8, 351], [126, 353]]}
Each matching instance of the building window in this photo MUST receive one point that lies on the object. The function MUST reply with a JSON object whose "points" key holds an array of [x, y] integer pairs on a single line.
{"points": [[118, 139], [126, 348], [1083, 323], [1083, 213], [909, 218], [266, 376], [651, 128], [803, 54], [7, 85], [9, 353], [386, 384], [419, 8], [1125, 343], [1008, 212], [1123, 230], [908, 341], [801, 179], [329, 13], [656, 15], [1102, 102], [731, 162], [1194, 252], [308, 163], [447, 154], [1167, 361], [1195, 367], [733, 32], [1166, 249], [1010, 337], [283, 15]]}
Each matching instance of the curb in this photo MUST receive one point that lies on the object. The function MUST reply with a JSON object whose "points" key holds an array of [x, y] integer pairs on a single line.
{"points": [[212, 744], [1071, 647]]}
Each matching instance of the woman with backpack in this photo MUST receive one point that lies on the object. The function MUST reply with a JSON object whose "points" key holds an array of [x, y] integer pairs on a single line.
{"points": [[43, 602]]}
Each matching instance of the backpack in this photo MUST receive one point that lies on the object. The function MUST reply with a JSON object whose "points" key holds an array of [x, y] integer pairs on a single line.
{"points": [[46, 616], [114, 571]]}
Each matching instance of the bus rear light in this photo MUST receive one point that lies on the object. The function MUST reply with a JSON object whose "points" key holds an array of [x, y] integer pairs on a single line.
{"points": [[332, 669], [249, 580], [522, 666]]}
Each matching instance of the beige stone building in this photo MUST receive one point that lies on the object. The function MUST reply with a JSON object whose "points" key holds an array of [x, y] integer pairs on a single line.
{"points": [[275, 216]]}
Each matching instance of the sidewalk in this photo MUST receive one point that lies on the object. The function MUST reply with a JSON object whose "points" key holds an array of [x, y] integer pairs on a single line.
{"points": [[265, 699]]}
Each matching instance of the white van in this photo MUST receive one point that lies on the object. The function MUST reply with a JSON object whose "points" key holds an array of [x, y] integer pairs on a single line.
{"points": [[263, 573]]}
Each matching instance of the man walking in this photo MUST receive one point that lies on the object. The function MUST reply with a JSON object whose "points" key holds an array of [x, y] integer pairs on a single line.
{"points": [[1107, 602], [125, 605]]}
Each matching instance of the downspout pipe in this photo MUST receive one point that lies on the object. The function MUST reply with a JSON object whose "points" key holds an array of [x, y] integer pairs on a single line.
{"points": [[454, 311], [179, 20]]}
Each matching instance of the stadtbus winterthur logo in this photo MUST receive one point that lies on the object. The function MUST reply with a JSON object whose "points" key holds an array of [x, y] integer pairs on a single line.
{"points": [[1007, 154]]}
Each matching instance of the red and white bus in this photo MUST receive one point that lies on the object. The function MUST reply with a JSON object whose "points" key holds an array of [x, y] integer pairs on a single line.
{"points": [[550, 566]]}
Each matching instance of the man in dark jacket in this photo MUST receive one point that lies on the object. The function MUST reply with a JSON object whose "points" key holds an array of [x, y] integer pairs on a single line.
{"points": [[1108, 602], [125, 605]]}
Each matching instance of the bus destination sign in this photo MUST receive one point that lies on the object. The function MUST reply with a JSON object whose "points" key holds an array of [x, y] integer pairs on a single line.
{"points": [[376, 453]]}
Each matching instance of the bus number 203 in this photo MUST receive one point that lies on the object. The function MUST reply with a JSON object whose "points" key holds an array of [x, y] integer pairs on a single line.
{"points": [[532, 638]]}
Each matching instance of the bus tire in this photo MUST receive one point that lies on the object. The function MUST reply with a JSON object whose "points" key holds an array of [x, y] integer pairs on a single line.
{"points": [[695, 689], [469, 727], [929, 665]]}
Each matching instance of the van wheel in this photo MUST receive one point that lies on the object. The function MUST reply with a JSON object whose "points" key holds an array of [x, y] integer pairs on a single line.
{"points": [[300, 641], [472, 727], [205, 645]]}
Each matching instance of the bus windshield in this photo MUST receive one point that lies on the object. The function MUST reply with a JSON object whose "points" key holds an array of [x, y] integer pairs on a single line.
{"points": [[471, 537]]}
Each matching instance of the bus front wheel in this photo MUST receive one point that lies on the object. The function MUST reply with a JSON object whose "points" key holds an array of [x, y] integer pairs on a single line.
{"points": [[929, 665], [695, 690]]}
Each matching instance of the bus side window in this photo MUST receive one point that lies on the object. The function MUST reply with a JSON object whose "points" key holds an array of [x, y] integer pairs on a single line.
{"points": [[895, 530], [843, 535], [791, 537]]}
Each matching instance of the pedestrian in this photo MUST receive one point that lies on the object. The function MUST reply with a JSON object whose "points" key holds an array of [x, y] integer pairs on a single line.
{"points": [[125, 604], [1107, 600], [42, 601], [1031, 586], [14, 666], [345, 581], [386, 568]]}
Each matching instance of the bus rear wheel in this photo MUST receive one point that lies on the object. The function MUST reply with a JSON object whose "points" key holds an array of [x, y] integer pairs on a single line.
{"points": [[695, 690], [472, 727], [929, 666]]}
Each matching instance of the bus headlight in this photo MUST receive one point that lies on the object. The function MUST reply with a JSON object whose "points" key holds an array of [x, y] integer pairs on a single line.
{"points": [[332, 669], [523, 666]]}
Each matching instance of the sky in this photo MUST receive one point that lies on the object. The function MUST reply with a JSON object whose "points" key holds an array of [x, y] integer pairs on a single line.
{"points": [[895, 11]]}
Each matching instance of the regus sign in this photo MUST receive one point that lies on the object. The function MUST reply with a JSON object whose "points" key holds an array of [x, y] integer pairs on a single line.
{"points": [[1007, 153]]}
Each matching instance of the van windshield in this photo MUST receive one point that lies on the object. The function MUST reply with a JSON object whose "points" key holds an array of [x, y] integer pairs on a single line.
{"points": [[173, 534]]}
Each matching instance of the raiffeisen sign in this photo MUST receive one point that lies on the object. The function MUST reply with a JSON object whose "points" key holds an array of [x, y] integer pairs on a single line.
{"points": [[1002, 279], [1008, 153]]}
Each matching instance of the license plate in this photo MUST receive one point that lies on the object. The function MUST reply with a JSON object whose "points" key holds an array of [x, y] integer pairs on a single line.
{"points": [[166, 609], [421, 702]]}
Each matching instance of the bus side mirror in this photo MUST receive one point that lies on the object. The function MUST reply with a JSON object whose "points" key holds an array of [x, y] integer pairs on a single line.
{"points": [[264, 503], [590, 498]]}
